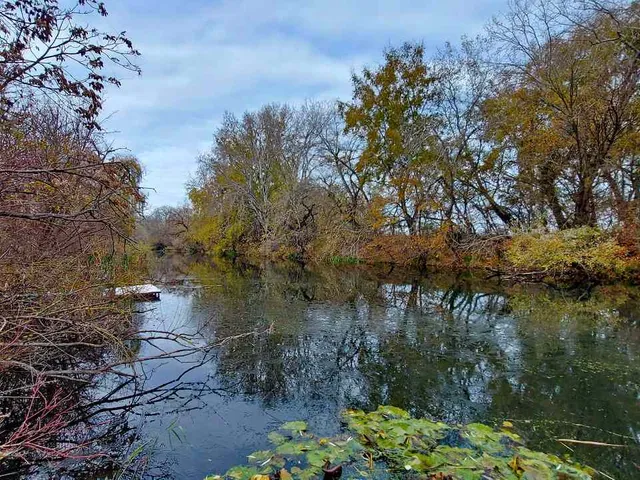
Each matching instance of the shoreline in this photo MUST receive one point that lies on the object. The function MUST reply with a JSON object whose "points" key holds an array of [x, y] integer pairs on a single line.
{"points": [[563, 258]]}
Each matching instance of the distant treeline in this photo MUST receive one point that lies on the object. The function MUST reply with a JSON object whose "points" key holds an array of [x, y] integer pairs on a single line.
{"points": [[533, 127]]}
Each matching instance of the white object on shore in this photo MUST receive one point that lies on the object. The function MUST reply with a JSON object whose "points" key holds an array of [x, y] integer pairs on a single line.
{"points": [[140, 291]]}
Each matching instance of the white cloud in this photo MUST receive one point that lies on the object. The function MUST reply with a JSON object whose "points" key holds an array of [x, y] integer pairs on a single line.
{"points": [[358, 18], [165, 182]]}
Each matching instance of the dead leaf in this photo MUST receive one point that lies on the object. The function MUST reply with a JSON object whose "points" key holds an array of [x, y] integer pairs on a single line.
{"points": [[284, 475]]}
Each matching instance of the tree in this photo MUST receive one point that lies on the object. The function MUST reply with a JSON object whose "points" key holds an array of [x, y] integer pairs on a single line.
{"points": [[68, 203], [343, 177], [535, 124], [165, 227], [389, 114], [61, 186], [623, 15], [256, 181], [568, 107], [476, 184]]}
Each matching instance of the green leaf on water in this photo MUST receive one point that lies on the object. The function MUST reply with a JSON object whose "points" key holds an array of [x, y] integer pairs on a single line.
{"points": [[317, 458], [241, 473], [276, 438], [393, 412], [309, 474], [387, 443], [260, 457], [298, 426], [294, 448]]}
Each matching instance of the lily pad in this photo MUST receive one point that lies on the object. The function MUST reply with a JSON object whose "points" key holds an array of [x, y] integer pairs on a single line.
{"points": [[276, 438], [260, 457], [294, 448], [389, 443], [241, 473], [285, 475], [297, 426]]}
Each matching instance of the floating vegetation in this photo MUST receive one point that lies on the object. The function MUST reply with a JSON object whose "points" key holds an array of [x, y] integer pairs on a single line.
{"points": [[389, 443]]}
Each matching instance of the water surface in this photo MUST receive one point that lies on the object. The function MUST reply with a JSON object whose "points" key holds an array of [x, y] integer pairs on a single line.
{"points": [[556, 364]]}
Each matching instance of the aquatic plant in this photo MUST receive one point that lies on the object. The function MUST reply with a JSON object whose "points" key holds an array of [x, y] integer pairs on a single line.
{"points": [[389, 443]]}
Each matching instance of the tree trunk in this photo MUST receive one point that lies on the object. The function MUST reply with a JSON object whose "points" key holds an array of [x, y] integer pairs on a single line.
{"points": [[584, 212], [412, 225], [627, 215], [548, 189]]}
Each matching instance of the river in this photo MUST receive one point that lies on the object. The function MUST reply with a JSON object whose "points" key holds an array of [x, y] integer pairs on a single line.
{"points": [[557, 364]]}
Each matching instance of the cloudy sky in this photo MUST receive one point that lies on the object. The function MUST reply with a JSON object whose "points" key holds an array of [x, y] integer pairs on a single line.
{"points": [[201, 58]]}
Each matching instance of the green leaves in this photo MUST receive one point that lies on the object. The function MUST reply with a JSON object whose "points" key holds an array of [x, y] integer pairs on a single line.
{"points": [[389, 113], [569, 253], [276, 438], [392, 412], [240, 473], [294, 448], [389, 441], [294, 426], [467, 452]]}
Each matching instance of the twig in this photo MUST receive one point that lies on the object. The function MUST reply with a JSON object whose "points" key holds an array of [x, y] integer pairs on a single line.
{"points": [[591, 442]]}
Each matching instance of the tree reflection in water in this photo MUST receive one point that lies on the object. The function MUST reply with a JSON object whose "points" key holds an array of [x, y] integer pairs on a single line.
{"points": [[253, 347], [560, 365]]}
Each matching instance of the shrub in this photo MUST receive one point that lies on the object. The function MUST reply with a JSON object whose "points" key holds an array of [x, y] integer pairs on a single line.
{"points": [[412, 250], [583, 250]]}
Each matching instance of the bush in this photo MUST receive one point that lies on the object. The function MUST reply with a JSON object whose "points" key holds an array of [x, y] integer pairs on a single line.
{"points": [[583, 250], [432, 250]]}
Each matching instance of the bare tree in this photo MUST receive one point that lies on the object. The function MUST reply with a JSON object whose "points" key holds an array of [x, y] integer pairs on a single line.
{"points": [[340, 154]]}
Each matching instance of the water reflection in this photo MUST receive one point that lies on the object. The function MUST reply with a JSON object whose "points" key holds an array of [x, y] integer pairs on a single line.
{"points": [[558, 365]]}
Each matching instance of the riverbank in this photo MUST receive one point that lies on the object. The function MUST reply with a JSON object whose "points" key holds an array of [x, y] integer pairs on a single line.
{"points": [[574, 255], [565, 257]]}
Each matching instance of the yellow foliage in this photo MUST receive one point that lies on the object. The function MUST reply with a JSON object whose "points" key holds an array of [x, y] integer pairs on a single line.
{"points": [[583, 250]]}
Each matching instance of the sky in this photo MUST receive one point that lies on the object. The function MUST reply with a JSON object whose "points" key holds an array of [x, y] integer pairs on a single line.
{"points": [[201, 58]]}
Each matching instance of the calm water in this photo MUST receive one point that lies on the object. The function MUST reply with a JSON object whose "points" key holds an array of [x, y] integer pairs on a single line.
{"points": [[556, 365]]}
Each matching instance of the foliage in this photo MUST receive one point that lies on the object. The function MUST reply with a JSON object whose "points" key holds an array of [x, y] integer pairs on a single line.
{"points": [[69, 66], [389, 443], [585, 251], [436, 159], [253, 187], [166, 227], [68, 205], [338, 260], [396, 249], [389, 113], [551, 115]]}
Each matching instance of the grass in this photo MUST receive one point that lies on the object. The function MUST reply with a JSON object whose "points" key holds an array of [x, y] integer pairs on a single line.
{"points": [[338, 260]]}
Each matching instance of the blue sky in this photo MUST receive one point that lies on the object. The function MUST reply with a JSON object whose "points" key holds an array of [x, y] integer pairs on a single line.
{"points": [[202, 58]]}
